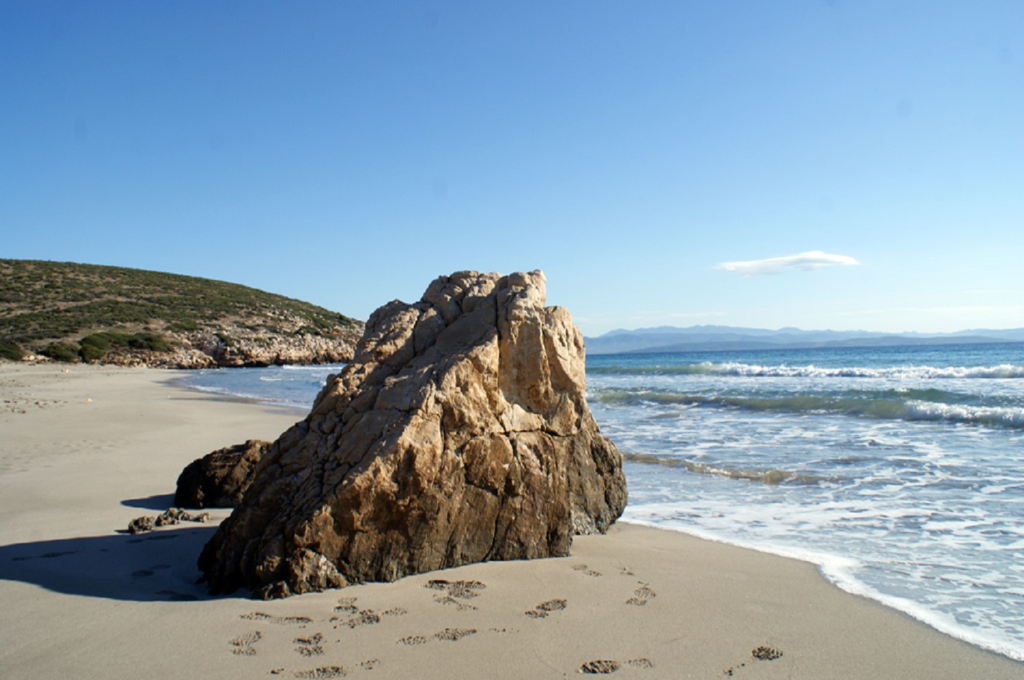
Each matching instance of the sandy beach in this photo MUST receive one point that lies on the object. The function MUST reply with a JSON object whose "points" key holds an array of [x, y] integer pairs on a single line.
{"points": [[85, 451]]}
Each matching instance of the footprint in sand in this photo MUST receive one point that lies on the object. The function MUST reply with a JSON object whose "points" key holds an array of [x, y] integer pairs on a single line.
{"points": [[277, 620], [155, 537], [348, 604], [544, 608], [760, 653], [606, 666], [360, 617], [463, 590], [454, 634], [44, 556], [413, 640], [642, 595], [447, 635], [455, 591], [145, 573], [243, 644], [322, 673], [764, 653], [587, 571], [310, 646]]}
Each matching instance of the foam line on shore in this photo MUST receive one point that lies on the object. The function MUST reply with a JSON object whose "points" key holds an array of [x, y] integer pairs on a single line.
{"points": [[1002, 371], [838, 571]]}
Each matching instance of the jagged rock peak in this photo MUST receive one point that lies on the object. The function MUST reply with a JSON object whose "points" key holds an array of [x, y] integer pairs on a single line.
{"points": [[459, 433]]}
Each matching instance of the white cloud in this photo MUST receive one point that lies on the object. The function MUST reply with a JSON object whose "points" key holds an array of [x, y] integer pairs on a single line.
{"points": [[775, 265]]}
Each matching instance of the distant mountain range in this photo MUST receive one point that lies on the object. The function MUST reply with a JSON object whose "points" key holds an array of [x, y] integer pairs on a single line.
{"points": [[723, 338]]}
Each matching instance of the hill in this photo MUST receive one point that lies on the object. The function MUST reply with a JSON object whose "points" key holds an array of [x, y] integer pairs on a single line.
{"points": [[722, 338], [81, 312]]}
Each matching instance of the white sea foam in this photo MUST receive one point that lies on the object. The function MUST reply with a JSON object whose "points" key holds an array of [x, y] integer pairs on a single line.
{"points": [[882, 403], [990, 415], [1005, 371], [315, 368], [743, 369]]}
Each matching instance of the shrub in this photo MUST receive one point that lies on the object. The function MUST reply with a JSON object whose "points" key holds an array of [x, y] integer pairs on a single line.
{"points": [[99, 341], [103, 342], [59, 352], [10, 351], [150, 341], [308, 330], [90, 353]]}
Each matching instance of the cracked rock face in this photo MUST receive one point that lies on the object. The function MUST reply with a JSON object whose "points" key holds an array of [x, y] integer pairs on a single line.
{"points": [[459, 433]]}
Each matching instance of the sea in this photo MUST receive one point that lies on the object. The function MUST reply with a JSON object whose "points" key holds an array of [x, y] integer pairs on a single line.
{"points": [[899, 471]]}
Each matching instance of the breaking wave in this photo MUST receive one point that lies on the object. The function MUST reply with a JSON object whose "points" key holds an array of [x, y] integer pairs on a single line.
{"points": [[770, 477], [910, 405], [1004, 371]]}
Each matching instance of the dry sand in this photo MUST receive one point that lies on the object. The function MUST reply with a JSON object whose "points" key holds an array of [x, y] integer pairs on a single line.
{"points": [[84, 452]]}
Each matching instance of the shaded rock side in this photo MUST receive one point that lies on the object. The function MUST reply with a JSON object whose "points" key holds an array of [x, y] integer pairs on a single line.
{"points": [[459, 433], [219, 479]]}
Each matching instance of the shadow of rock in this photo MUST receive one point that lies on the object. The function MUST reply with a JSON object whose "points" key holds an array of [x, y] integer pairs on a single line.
{"points": [[159, 503], [152, 567]]}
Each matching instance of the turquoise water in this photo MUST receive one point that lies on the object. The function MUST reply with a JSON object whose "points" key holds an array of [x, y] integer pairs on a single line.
{"points": [[900, 471]]}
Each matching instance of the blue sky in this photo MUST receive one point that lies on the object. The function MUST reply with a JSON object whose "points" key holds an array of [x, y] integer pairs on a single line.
{"points": [[844, 165]]}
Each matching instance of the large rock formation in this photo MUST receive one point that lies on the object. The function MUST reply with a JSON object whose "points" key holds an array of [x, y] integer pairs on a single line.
{"points": [[459, 433], [219, 479]]}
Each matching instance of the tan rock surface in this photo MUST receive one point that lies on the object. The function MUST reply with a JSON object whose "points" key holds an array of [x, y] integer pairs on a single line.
{"points": [[459, 433], [244, 348]]}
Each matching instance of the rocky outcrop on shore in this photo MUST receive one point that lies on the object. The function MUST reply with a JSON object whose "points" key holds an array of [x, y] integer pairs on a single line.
{"points": [[213, 350], [459, 433], [219, 479]]}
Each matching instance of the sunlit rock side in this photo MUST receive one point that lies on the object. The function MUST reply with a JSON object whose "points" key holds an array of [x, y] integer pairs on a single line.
{"points": [[459, 433]]}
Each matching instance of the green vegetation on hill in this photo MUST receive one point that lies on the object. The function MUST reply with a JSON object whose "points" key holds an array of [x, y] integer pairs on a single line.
{"points": [[10, 351], [69, 311]]}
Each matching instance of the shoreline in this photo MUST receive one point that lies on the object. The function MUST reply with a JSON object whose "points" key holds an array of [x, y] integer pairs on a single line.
{"points": [[282, 408], [86, 451], [292, 408], [832, 570]]}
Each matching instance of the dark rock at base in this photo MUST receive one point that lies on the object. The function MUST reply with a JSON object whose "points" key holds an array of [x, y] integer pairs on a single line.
{"points": [[459, 433], [141, 525], [168, 517], [219, 479]]}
